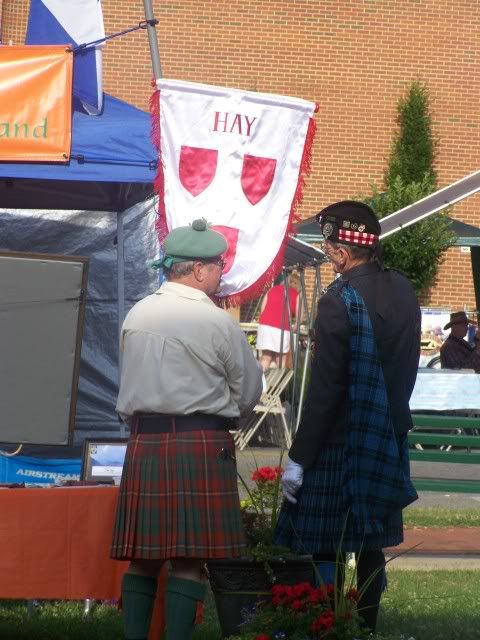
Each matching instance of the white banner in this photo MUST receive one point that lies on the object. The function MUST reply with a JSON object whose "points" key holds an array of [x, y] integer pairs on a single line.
{"points": [[237, 159]]}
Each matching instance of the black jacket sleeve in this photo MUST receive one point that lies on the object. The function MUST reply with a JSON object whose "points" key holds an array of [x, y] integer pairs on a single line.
{"points": [[328, 388]]}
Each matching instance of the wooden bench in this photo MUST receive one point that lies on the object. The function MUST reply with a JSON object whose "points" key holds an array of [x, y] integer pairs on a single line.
{"points": [[455, 439]]}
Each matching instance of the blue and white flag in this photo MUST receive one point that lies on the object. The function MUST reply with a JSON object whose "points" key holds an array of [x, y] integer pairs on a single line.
{"points": [[76, 22]]}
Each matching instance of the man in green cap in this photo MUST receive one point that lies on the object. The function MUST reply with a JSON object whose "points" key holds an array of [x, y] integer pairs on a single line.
{"points": [[187, 373]]}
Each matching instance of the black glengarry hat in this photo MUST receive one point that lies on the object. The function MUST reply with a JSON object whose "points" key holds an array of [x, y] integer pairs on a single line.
{"points": [[349, 222]]}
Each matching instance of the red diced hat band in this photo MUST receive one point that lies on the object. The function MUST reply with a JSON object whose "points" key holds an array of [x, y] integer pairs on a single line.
{"points": [[357, 237], [350, 222]]}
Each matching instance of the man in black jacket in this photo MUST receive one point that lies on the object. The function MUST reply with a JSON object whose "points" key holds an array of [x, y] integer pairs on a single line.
{"points": [[457, 353], [347, 477]]}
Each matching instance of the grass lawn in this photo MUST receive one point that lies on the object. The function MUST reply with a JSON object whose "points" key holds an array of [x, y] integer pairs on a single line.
{"points": [[431, 605], [439, 517], [436, 605]]}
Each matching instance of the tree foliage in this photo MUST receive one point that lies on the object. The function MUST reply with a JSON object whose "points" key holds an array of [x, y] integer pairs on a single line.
{"points": [[417, 250], [413, 152]]}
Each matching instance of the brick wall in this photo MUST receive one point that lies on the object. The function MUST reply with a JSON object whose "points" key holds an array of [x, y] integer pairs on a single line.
{"points": [[355, 57]]}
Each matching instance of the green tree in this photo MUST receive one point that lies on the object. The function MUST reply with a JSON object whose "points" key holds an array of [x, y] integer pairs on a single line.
{"points": [[418, 250], [413, 151]]}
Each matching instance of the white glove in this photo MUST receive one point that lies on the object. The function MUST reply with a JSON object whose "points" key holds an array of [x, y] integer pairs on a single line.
{"points": [[292, 479]]}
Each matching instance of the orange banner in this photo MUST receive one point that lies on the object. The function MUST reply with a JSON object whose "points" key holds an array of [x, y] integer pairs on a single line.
{"points": [[35, 103]]}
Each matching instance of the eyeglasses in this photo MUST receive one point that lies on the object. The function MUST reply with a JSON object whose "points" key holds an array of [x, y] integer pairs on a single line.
{"points": [[328, 251], [220, 262]]}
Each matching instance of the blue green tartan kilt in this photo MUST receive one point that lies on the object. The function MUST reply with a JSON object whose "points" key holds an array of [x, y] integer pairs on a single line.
{"points": [[179, 498], [319, 522]]}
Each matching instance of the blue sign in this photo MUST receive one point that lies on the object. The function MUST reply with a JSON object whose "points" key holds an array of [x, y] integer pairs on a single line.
{"points": [[38, 470]]}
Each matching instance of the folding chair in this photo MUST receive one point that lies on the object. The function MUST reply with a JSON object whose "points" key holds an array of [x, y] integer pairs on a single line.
{"points": [[270, 403]]}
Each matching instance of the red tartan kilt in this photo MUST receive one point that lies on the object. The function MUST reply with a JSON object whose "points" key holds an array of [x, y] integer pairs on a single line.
{"points": [[178, 498]]}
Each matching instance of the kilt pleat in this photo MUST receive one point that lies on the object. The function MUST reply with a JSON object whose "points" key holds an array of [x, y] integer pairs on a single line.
{"points": [[178, 498], [320, 522]]}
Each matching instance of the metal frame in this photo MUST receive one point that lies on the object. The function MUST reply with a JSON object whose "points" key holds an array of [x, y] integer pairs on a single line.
{"points": [[86, 470]]}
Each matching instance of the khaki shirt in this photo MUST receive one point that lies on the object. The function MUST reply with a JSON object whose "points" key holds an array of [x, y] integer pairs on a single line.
{"points": [[182, 354]]}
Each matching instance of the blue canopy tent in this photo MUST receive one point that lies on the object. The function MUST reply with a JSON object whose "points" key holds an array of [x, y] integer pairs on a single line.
{"points": [[112, 165], [83, 207]]}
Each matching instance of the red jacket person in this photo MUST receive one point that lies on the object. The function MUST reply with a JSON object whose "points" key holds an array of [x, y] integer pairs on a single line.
{"points": [[187, 373]]}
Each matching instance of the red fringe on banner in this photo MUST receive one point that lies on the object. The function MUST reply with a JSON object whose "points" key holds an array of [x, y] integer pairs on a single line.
{"points": [[159, 182], [263, 283]]}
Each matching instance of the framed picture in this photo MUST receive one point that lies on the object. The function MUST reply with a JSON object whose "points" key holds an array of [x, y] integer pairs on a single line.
{"points": [[103, 459]]}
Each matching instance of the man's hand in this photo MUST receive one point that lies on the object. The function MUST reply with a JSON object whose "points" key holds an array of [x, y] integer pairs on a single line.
{"points": [[292, 479]]}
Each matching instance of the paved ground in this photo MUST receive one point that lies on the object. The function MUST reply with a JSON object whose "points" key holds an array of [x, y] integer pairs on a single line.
{"points": [[425, 562], [438, 548], [442, 541]]}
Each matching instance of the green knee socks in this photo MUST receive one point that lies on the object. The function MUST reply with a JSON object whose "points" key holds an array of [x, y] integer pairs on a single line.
{"points": [[138, 597], [181, 606]]}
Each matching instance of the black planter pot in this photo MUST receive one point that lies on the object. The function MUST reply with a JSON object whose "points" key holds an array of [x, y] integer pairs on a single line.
{"points": [[238, 583]]}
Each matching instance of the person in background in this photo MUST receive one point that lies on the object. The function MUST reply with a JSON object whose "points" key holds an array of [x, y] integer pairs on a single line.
{"points": [[187, 373], [347, 477], [455, 352], [274, 315]]}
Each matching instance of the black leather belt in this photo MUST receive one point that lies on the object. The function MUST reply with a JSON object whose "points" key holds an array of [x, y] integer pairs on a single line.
{"points": [[163, 423]]}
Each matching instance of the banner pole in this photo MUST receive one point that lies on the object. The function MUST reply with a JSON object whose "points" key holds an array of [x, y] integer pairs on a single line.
{"points": [[152, 39], [120, 295]]}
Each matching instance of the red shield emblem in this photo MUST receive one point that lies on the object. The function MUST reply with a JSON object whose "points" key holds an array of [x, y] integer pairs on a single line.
{"points": [[197, 168], [257, 177], [231, 236]]}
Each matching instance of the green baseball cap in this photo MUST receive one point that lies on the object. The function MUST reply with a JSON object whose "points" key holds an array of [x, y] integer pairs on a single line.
{"points": [[196, 240]]}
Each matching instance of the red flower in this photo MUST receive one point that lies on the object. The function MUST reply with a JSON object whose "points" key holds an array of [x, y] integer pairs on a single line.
{"points": [[297, 605], [288, 591], [317, 595], [262, 636], [324, 622], [277, 601], [266, 474], [328, 591], [301, 589], [352, 594]]}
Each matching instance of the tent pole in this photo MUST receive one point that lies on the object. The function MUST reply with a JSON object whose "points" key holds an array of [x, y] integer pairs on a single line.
{"points": [[310, 317], [296, 349], [120, 295], [285, 313], [152, 39]]}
